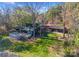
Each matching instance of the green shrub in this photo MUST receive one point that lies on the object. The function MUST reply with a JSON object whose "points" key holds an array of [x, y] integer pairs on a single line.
{"points": [[69, 52], [5, 43], [66, 43], [18, 47], [52, 35], [1, 37], [39, 41]]}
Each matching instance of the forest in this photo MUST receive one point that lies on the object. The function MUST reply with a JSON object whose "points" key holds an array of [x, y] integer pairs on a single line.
{"points": [[39, 29]]}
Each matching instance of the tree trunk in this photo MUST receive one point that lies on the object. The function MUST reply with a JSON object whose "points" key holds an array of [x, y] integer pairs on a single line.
{"points": [[33, 22], [64, 30], [64, 13]]}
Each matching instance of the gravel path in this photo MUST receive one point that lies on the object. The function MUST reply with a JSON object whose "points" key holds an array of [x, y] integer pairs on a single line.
{"points": [[7, 54]]}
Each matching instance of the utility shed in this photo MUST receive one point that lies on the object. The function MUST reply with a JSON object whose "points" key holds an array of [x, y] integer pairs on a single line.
{"points": [[53, 27]]}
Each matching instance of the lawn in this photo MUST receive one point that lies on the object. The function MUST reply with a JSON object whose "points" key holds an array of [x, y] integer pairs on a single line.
{"points": [[45, 46]]}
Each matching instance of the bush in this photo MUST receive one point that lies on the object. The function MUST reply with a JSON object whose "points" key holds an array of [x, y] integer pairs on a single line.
{"points": [[67, 44], [0, 37], [53, 35], [5, 43], [19, 47], [69, 52]]}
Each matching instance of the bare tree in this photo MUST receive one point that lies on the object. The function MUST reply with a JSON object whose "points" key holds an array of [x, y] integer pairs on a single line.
{"points": [[34, 9]]}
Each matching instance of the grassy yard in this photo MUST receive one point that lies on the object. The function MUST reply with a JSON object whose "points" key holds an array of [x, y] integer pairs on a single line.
{"points": [[45, 46]]}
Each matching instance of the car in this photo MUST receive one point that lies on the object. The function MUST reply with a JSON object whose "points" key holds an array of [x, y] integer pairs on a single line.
{"points": [[21, 35], [15, 35], [24, 33]]}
